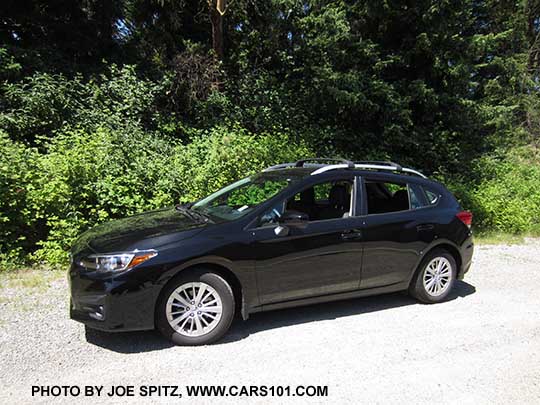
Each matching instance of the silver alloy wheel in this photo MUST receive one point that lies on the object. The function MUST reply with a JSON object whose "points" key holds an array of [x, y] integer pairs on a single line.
{"points": [[438, 276], [194, 309]]}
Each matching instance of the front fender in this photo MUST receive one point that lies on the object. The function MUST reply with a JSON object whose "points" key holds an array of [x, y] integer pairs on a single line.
{"points": [[239, 273]]}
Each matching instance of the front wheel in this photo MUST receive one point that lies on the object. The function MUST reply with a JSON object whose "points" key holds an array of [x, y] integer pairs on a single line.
{"points": [[196, 308], [435, 277]]}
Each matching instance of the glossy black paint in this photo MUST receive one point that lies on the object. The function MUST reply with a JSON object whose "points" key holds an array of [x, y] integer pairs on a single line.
{"points": [[313, 262], [315, 259]]}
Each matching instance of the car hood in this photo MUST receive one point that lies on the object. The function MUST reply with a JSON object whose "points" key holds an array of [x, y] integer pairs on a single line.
{"points": [[143, 231]]}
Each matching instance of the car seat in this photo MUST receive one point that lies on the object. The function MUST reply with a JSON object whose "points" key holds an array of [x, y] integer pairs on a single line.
{"points": [[339, 202]]}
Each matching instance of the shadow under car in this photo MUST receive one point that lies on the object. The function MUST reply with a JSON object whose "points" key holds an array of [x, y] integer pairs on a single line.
{"points": [[146, 341]]}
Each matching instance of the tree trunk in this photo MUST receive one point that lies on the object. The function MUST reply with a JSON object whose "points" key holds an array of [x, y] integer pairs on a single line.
{"points": [[216, 19]]}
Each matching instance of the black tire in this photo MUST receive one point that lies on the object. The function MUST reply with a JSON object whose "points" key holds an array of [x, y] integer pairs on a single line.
{"points": [[220, 286], [418, 289]]}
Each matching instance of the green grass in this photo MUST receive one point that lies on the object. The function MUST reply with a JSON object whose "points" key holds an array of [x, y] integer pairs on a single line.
{"points": [[34, 278], [498, 238], [15, 285]]}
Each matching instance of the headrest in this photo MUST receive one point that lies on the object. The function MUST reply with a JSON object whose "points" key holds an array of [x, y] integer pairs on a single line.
{"points": [[338, 196], [401, 200], [308, 196]]}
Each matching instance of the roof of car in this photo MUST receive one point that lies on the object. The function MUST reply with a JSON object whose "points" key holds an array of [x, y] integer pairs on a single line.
{"points": [[317, 166], [304, 172], [291, 171]]}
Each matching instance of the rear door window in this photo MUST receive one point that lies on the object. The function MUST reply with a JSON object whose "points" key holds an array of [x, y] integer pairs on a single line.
{"points": [[385, 197], [327, 200], [417, 197]]}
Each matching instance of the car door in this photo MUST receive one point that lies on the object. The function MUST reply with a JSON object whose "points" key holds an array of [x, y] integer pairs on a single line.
{"points": [[316, 257], [394, 231]]}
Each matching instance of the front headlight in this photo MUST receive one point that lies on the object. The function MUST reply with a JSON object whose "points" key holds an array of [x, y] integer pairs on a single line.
{"points": [[116, 261]]}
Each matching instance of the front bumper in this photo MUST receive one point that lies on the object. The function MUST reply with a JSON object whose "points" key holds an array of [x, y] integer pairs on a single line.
{"points": [[110, 303]]}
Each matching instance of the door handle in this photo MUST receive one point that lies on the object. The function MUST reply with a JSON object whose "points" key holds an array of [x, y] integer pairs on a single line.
{"points": [[351, 235], [425, 227]]}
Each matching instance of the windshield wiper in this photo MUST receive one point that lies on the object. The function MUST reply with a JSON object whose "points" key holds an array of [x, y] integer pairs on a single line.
{"points": [[194, 215], [201, 215]]}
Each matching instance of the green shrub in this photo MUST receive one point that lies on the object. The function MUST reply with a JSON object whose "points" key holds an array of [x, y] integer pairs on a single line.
{"points": [[40, 104], [86, 178], [508, 197], [44, 104], [223, 154], [16, 171], [504, 193], [83, 178]]}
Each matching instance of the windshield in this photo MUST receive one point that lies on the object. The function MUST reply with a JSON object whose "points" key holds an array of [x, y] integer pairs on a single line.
{"points": [[240, 198]]}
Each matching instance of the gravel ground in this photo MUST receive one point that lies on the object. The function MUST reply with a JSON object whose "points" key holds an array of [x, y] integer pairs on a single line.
{"points": [[482, 346]]}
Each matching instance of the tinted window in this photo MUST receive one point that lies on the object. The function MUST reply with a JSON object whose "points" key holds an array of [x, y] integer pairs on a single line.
{"points": [[432, 197], [416, 196], [237, 199], [322, 191], [386, 197], [328, 200]]}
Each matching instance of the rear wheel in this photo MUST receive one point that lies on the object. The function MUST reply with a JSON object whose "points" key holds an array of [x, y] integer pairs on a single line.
{"points": [[196, 308], [435, 277]]}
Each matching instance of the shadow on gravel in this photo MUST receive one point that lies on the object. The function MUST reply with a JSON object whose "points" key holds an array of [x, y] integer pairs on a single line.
{"points": [[327, 311], [128, 342], [136, 342]]}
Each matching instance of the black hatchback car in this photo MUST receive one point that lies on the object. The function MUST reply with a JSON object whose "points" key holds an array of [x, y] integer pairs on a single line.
{"points": [[295, 234]]}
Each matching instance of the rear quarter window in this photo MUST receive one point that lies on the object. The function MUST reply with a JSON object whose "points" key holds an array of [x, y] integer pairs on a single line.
{"points": [[432, 197]]}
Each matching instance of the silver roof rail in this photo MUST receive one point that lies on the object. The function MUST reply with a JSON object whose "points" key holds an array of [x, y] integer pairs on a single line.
{"points": [[386, 166], [311, 162], [390, 167], [346, 164], [331, 167], [277, 167]]}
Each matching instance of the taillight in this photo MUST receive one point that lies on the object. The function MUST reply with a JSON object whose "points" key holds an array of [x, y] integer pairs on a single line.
{"points": [[465, 217]]}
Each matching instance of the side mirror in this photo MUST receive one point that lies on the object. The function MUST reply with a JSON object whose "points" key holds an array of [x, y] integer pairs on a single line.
{"points": [[281, 230], [293, 216]]}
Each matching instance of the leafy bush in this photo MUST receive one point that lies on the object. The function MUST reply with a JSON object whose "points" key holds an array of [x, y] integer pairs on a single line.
{"points": [[40, 104], [216, 157], [102, 151], [83, 178], [508, 198], [44, 104], [505, 196], [16, 172]]}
